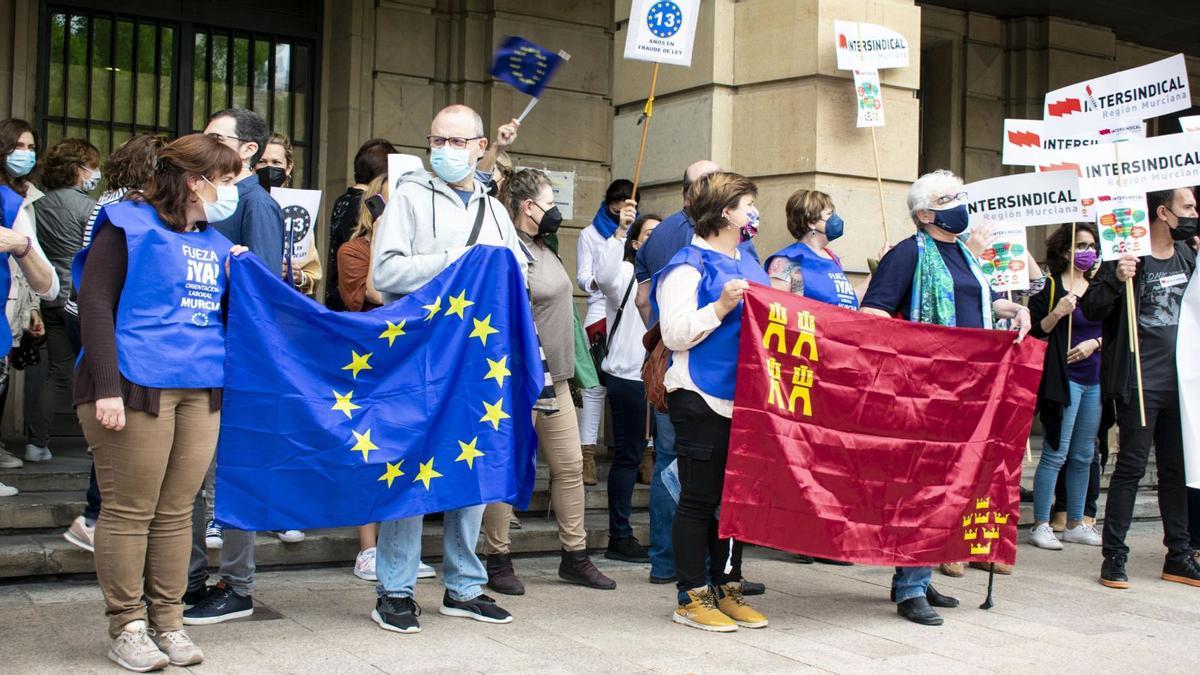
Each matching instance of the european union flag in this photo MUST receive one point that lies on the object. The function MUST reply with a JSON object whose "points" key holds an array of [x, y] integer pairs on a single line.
{"points": [[334, 419], [524, 65]]}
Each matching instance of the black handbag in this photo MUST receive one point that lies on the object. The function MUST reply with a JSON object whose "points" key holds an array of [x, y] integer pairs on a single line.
{"points": [[26, 352]]}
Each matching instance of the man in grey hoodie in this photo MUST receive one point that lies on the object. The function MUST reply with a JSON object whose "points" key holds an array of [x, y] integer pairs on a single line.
{"points": [[429, 222]]}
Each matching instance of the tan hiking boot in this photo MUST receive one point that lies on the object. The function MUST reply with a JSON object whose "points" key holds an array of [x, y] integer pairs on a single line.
{"points": [[589, 465], [701, 612], [734, 606], [951, 569]]}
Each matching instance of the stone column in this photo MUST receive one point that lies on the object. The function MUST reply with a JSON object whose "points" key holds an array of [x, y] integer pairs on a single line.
{"points": [[764, 98]]}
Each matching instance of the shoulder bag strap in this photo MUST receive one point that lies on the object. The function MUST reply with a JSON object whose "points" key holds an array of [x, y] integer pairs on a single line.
{"points": [[475, 229], [620, 311]]}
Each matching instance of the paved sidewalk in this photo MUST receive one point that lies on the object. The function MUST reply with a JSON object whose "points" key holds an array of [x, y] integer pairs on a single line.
{"points": [[1052, 614]]}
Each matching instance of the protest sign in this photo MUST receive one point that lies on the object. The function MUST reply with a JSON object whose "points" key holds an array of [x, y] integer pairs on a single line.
{"points": [[1024, 199], [1027, 142], [1124, 224], [1137, 93], [400, 164], [1003, 261], [300, 211], [866, 46], [1190, 124], [662, 31], [1187, 363], [1146, 165], [869, 97]]}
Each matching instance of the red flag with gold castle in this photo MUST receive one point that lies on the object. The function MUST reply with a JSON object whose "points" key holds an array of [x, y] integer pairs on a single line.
{"points": [[876, 441]]}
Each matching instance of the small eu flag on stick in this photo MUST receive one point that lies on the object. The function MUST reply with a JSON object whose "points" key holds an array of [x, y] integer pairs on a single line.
{"points": [[527, 67]]}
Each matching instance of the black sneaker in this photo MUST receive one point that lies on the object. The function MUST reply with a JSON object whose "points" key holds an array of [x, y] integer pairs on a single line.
{"points": [[1184, 571], [481, 608], [753, 588], [628, 549], [220, 605], [398, 615], [1112, 572], [194, 596]]}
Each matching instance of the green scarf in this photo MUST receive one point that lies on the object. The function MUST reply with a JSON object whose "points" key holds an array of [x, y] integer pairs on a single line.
{"points": [[933, 286]]}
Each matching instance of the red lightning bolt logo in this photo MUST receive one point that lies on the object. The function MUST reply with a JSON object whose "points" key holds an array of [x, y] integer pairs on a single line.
{"points": [[1025, 138], [1066, 166], [1064, 107]]}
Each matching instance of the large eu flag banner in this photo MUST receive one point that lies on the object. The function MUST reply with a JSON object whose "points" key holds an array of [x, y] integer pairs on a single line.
{"points": [[333, 419], [524, 65]]}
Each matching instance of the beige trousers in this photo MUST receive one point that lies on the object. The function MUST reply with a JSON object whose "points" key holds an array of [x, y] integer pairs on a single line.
{"points": [[149, 473], [558, 446]]}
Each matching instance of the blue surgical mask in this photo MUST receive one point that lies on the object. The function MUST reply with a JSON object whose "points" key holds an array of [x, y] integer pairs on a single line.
{"points": [[21, 162], [451, 164], [224, 207], [953, 220], [834, 227], [750, 229]]}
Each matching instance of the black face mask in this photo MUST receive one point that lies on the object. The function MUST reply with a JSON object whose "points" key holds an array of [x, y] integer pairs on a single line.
{"points": [[271, 176], [1186, 229], [551, 220]]}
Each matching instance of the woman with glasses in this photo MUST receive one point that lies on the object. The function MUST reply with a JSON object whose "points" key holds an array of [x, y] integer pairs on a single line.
{"points": [[932, 277], [1069, 396]]}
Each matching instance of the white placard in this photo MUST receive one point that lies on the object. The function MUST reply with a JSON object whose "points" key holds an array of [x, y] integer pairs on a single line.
{"points": [[1138, 93], [1024, 199], [869, 97], [1003, 261], [400, 164], [300, 211], [662, 31], [1190, 124], [1027, 143], [1146, 165], [866, 46]]}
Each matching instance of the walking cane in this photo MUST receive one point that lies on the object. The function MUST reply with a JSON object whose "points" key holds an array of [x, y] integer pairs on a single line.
{"points": [[987, 602]]}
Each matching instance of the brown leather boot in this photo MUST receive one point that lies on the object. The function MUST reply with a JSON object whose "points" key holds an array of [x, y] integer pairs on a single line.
{"points": [[646, 470], [501, 577], [577, 568], [589, 465]]}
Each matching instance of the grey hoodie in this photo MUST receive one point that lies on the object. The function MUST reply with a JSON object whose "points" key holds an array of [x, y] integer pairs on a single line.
{"points": [[425, 228]]}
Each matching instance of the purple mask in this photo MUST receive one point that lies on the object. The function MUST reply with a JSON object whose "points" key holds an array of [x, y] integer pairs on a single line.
{"points": [[1084, 260]]}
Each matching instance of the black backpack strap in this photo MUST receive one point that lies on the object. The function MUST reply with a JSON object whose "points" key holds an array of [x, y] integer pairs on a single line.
{"points": [[620, 311], [478, 226]]}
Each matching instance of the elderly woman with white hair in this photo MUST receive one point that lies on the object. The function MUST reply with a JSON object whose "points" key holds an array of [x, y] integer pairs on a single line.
{"points": [[932, 277]]}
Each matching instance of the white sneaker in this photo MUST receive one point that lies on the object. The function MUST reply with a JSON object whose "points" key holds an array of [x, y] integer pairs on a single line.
{"points": [[364, 565], [37, 453], [1043, 537], [426, 572], [81, 535], [178, 647], [9, 460], [212, 535], [7, 490], [1082, 534], [133, 650], [290, 536]]}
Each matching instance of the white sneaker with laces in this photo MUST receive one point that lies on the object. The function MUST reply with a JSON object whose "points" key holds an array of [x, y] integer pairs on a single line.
{"points": [[133, 650], [178, 647], [7, 490], [81, 535], [290, 536], [37, 453], [426, 572], [9, 460], [1082, 534], [212, 535], [1043, 537], [364, 565]]}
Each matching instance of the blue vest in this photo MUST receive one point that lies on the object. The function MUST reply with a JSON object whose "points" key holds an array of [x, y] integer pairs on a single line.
{"points": [[713, 363], [824, 278], [10, 207], [169, 329]]}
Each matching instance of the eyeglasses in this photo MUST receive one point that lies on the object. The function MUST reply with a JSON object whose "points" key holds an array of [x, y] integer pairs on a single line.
{"points": [[222, 137], [948, 199], [454, 141]]}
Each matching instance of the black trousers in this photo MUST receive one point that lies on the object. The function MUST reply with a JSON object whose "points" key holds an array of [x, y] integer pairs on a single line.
{"points": [[702, 444], [627, 402], [1164, 432], [1194, 517]]}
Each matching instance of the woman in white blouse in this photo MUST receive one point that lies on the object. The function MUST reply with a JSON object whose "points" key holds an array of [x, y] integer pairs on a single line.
{"points": [[698, 296], [623, 370]]}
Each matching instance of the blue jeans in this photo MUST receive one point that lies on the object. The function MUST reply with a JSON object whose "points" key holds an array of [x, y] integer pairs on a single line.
{"points": [[911, 582], [662, 507], [1076, 448], [398, 553]]}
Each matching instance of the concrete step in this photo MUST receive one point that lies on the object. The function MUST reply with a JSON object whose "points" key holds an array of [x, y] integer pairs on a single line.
{"points": [[46, 553], [66, 473]]}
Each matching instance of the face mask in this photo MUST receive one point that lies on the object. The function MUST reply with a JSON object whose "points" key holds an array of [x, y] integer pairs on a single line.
{"points": [[92, 181], [21, 162], [551, 220], [451, 164], [224, 207], [1186, 229], [271, 177], [953, 220], [834, 227], [1084, 260], [750, 229]]}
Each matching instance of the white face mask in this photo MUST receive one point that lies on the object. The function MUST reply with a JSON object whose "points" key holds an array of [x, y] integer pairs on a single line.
{"points": [[91, 181], [224, 207]]}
